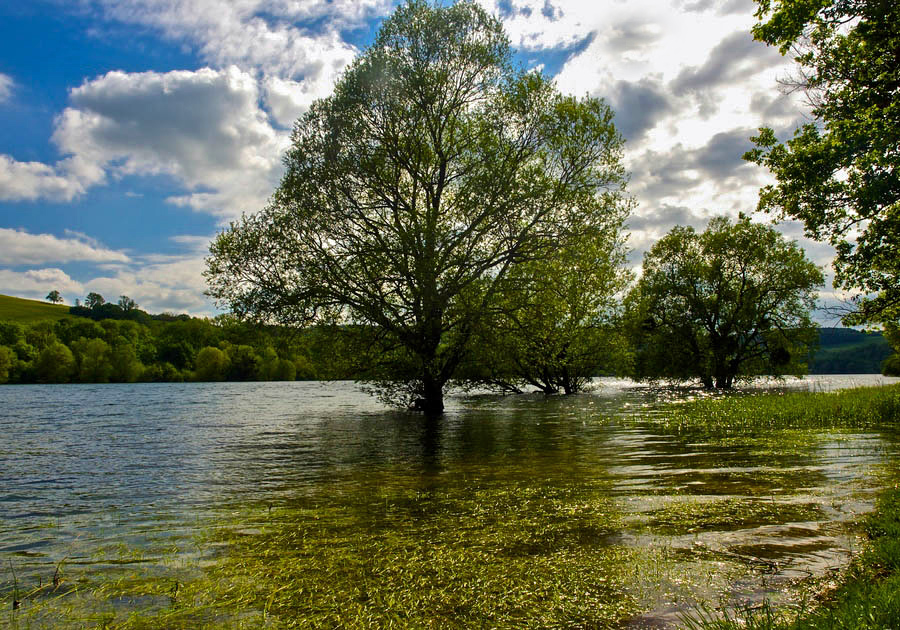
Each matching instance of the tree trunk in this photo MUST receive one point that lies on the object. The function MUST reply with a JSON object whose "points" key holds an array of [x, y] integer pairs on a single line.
{"points": [[432, 401], [724, 380]]}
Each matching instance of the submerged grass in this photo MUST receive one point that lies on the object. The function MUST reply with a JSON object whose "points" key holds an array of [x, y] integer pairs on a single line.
{"points": [[689, 517], [863, 407], [498, 556], [867, 597]]}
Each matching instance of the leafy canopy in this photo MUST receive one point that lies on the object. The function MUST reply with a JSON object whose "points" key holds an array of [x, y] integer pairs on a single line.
{"points": [[434, 169], [840, 174], [731, 302]]}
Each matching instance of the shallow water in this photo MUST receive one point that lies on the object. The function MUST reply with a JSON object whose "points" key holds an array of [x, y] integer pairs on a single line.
{"points": [[90, 475]]}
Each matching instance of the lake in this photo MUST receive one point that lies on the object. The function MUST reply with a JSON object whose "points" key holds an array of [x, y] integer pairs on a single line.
{"points": [[97, 477]]}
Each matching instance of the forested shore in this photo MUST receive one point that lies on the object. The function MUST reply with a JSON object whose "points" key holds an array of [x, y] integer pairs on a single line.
{"points": [[111, 345]]}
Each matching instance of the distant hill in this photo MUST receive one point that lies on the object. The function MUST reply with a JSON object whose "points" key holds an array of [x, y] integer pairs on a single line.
{"points": [[849, 351], [25, 311]]}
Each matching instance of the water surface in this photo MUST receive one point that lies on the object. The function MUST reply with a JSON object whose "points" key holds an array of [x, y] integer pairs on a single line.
{"points": [[87, 468]]}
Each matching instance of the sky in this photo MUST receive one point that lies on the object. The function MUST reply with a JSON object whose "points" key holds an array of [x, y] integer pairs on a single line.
{"points": [[132, 131]]}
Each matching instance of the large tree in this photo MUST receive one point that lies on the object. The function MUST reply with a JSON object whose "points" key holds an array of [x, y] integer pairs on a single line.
{"points": [[731, 302], [435, 167], [840, 173]]}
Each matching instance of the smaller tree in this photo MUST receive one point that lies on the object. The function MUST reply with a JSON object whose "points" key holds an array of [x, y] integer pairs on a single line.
{"points": [[554, 325], [8, 361], [728, 304], [54, 297], [211, 364], [94, 300], [55, 364], [126, 303]]}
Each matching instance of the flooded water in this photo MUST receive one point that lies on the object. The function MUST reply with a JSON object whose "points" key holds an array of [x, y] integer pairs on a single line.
{"points": [[87, 469]]}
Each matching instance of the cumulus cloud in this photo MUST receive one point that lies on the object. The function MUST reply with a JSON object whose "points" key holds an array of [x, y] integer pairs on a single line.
{"points": [[631, 35], [204, 128], [288, 100], [733, 59], [37, 283], [662, 175], [268, 35], [171, 284], [30, 181], [18, 247], [6, 87], [639, 106], [721, 7]]}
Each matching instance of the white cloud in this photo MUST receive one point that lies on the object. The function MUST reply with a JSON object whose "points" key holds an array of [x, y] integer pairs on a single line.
{"points": [[37, 283], [287, 100], [288, 38], [172, 284], [204, 128], [295, 45], [6, 87], [18, 247], [30, 181]]}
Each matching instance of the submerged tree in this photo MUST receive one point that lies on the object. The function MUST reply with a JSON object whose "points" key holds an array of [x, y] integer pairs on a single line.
{"points": [[412, 192], [555, 324], [731, 302], [840, 173]]}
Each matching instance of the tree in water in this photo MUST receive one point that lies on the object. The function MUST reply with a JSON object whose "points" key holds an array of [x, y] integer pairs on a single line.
{"points": [[411, 193], [729, 303], [556, 322]]}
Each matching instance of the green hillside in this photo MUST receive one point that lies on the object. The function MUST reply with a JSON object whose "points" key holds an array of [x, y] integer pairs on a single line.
{"points": [[849, 351], [30, 311]]}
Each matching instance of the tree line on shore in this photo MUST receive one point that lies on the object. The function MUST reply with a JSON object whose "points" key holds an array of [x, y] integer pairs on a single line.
{"points": [[105, 345]]}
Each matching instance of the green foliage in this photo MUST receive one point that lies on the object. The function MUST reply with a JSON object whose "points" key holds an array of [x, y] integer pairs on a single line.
{"points": [[93, 359], [126, 303], [891, 365], [94, 300], [54, 297], [410, 194], [244, 363], [732, 302], [211, 365], [125, 367], [555, 322], [162, 349], [840, 174], [55, 364], [8, 360]]}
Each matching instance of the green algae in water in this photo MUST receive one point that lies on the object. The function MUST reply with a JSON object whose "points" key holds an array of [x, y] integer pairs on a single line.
{"points": [[692, 516], [528, 545]]}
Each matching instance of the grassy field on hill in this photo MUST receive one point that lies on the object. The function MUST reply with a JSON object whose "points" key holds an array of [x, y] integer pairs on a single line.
{"points": [[24, 311]]}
